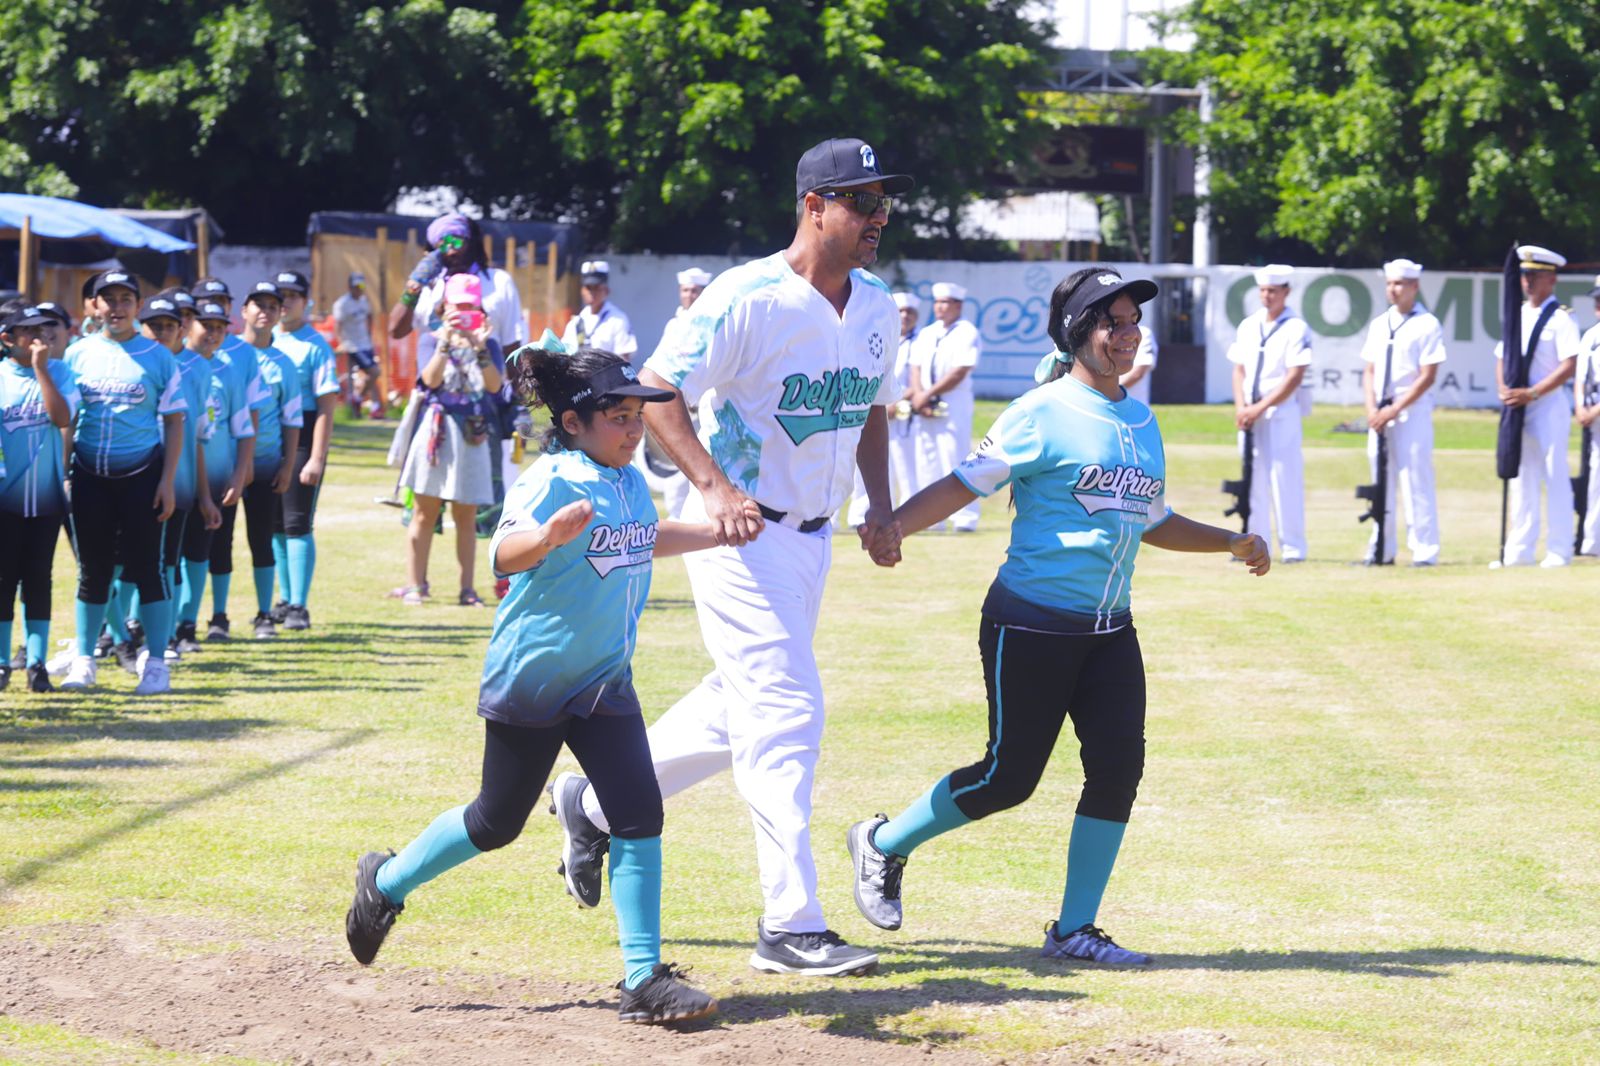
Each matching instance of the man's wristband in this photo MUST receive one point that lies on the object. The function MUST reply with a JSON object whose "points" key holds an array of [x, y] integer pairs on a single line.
{"points": [[409, 299]]}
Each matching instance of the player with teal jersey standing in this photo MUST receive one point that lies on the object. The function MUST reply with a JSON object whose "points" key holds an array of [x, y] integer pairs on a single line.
{"points": [[38, 396], [316, 371], [1087, 473], [128, 438], [576, 537]]}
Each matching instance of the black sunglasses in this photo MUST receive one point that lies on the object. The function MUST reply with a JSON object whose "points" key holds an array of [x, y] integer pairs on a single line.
{"points": [[862, 202]]}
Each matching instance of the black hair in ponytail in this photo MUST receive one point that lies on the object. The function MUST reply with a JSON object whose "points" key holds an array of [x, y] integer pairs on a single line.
{"points": [[1072, 337], [543, 378]]}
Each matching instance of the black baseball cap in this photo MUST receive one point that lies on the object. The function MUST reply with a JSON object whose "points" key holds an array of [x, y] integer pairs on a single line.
{"points": [[56, 311], [1106, 285], [264, 288], [25, 316], [842, 163], [618, 380], [210, 311], [159, 306], [181, 297], [207, 288], [292, 281], [109, 278]]}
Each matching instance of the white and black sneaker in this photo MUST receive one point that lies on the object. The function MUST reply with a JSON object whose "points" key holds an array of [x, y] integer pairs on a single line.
{"points": [[877, 881], [823, 954], [296, 617], [187, 639], [664, 998], [217, 628], [1090, 944], [263, 626], [583, 844], [371, 915]]}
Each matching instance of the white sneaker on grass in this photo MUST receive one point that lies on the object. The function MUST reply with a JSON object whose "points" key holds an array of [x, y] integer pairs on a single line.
{"points": [[80, 673], [61, 661], [153, 676]]}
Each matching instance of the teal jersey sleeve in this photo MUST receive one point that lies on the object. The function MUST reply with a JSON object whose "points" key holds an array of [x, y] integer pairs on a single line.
{"points": [[1012, 448]]}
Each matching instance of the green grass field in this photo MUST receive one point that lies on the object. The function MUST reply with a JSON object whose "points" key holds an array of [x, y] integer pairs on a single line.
{"points": [[1366, 832]]}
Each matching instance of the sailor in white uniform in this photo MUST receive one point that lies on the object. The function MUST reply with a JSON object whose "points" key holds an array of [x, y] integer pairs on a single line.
{"points": [[902, 424], [600, 323], [942, 359], [1270, 356]]}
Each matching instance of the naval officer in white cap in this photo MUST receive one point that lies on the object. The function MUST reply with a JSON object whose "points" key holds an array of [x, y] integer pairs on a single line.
{"points": [[942, 359], [1550, 338], [1270, 356], [903, 482], [600, 323], [1402, 353], [674, 488]]}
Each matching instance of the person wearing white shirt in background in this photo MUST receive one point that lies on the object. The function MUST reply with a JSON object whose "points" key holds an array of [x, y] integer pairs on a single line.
{"points": [[1586, 401], [902, 440], [352, 319], [600, 323], [456, 246], [1137, 379], [674, 489], [942, 358], [1403, 350], [1553, 351], [1270, 356]]}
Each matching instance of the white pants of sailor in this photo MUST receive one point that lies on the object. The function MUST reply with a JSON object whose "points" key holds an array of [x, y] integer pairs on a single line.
{"points": [[1277, 481], [1544, 464], [1591, 516], [1411, 468], [941, 445], [759, 712], [903, 482]]}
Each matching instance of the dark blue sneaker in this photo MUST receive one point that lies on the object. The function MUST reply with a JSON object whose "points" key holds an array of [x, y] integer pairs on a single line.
{"points": [[371, 915], [823, 954], [1090, 944], [664, 998]]}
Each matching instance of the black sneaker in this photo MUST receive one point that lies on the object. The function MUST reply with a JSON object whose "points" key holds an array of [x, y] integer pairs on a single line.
{"points": [[127, 655], [877, 881], [583, 844], [823, 954], [187, 640], [103, 644], [264, 628], [279, 612], [664, 998], [217, 628], [296, 617], [371, 914], [39, 679], [135, 633]]}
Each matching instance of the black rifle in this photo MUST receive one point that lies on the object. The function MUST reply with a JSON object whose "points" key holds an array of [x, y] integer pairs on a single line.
{"points": [[1240, 489], [1377, 497], [1580, 484]]}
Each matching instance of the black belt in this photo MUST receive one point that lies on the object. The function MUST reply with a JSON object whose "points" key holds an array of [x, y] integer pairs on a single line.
{"points": [[810, 525]]}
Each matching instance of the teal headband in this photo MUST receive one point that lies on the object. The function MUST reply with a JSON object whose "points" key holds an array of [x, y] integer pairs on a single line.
{"points": [[1047, 365], [547, 343]]}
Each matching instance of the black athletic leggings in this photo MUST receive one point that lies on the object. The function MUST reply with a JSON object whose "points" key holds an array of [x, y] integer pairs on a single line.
{"points": [[196, 544], [262, 507], [27, 559], [114, 522], [221, 545], [615, 757], [173, 532], [1035, 681], [299, 504]]}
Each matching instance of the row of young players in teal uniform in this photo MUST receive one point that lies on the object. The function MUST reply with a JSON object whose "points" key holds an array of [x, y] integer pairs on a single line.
{"points": [[143, 436]]}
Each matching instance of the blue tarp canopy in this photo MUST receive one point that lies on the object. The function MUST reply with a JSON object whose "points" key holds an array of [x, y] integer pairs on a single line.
{"points": [[51, 218]]}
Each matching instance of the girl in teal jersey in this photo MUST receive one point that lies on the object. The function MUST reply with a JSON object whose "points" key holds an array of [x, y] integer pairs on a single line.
{"points": [[577, 536], [1087, 473]]}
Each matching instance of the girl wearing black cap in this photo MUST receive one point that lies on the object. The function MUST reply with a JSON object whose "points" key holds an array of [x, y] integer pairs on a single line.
{"points": [[1087, 474], [577, 537]]}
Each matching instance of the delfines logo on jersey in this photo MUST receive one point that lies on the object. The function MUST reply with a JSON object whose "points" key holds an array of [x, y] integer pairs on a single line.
{"points": [[827, 396], [24, 415], [112, 391], [1121, 488], [629, 544]]}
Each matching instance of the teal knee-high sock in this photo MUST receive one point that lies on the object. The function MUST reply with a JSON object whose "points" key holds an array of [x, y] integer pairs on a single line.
{"points": [[302, 561], [220, 583], [5, 639], [1090, 856], [442, 846], [636, 895], [129, 600], [194, 587], [280, 563], [157, 621], [91, 616], [263, 576], [117, 614], [934, 812], [38, 631]]}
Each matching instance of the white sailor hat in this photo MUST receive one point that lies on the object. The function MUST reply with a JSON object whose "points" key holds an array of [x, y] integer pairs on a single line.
{"points": [[595, 271], [1535, 258], [1402, 270], [694, 276], [949, 290], [1274, 274], [903, 300]]}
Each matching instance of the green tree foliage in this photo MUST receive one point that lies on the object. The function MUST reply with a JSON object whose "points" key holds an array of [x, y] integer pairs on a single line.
{"points": [[1431, 128], [681, 122]]}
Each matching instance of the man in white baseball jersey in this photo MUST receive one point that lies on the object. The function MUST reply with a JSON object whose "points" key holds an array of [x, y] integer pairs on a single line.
{"points": [[793, 355], [942, 359], [1403, 350], [1137, 379], [1550, 336], [599, 323], [1586, 401], [902, 441], [1270, 356]]}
